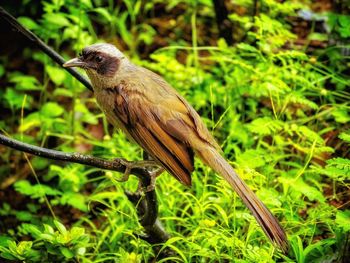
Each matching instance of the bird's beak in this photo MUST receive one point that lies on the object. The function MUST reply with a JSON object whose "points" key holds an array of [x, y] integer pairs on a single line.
{"points": [[75, 62]]}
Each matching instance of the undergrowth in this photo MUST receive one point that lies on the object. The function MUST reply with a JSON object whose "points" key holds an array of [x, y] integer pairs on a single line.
{"points": [[280, 114]]}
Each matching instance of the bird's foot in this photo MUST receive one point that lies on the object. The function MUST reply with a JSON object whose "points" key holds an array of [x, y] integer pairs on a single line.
{"points": [[154, 174], [133, 165]]}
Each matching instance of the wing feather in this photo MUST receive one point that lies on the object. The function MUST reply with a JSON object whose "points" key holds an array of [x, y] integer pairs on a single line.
{"points": [[143, 121]]}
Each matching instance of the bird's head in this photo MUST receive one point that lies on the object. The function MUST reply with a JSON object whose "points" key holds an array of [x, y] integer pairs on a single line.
{"points": [[99, 61]]}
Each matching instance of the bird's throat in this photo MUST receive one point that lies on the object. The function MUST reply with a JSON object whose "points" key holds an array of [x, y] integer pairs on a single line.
{"points": [[100, 82]]}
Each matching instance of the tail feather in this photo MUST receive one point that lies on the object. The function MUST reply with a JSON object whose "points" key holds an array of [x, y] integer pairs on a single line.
{"points": [[266, 220]]}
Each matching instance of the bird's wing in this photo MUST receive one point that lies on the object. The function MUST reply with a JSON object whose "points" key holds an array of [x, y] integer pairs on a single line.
{"points": [[177, 103], [160, 130]]}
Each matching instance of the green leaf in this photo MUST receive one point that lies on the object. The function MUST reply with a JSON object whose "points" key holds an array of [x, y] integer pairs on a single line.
{"points": [[343, 220], [340, 163], [344, 21], [76, 200], [15, 99], [305, 132], [341, 115], [24, 82], [66, 252], [56, 19], [252, 158], [77, 232], [29, 122], [31, 229], [345, 136], [63, 239], [344, 32], [34, 255], [265, 126], [34, 191], [246, 47], [28, 22], [60, 227], [24, 246], [24, 215], [12, 246], [270, 197], [63, 92], [310, 192], [147, 34], [299, 98], [86, 116], [103, 13], [318, 36], [51, 109], [123, 30], [40, 163], [57, 75], [4, 240], [86, 3], [337, 168], [49, 229], [8, 255], [47, 237], [81, 251]]}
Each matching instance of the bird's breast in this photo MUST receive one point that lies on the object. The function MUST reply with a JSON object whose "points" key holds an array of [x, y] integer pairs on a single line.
{"points": [[106, 99], [109, 99]]}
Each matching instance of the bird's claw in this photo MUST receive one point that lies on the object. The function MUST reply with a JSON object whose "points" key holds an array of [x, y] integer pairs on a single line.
{"points": [[137, 164], [153, 174], [128, 167]]}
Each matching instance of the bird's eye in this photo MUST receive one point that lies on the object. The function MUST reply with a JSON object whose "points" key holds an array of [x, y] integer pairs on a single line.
{"points": [[98, 59]]}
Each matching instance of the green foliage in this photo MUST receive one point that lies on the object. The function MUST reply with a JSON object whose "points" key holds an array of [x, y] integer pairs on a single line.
{"points": [[50, 244], [36, 191], [21, 251], [336, 168], [340, 24], [279, 112]]}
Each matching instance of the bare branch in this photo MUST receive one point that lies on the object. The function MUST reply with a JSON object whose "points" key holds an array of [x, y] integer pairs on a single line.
{"points": [[113, 165]]}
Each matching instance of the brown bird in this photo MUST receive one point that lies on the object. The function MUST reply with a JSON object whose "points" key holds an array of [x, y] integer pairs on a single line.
{"points": [[164, 124]]}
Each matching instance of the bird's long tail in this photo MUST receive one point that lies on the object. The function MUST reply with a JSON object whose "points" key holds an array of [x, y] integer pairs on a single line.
{"points": [[267, 221]]}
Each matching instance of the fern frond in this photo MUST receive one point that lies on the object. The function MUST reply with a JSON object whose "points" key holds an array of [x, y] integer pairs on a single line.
{"points": [[340, 163], [336, 168], [298, 98], [306, 133], [265, 126], [345, 136]]}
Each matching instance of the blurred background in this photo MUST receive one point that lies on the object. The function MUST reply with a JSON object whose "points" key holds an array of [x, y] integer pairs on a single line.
{"points": [[270, 79]]}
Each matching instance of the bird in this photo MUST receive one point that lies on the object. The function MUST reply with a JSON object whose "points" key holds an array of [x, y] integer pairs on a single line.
{"points": [[155, 116]]}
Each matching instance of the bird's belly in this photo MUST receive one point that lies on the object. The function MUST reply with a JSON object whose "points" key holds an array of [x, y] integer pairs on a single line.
{"points": [[107, 104]]}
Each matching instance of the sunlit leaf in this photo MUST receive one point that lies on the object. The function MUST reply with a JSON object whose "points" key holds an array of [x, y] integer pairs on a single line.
{"points": [[51, 109], [343, 220], [57, 75]]}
